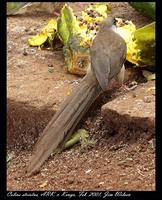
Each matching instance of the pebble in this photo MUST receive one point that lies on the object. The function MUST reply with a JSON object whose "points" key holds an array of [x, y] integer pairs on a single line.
{"points": [[152, 143], [43, 184], [134, 94], [147, 99], [70, 181], [129, 159], [25, 53], [101, 183], [19, 29], [88, 171]]}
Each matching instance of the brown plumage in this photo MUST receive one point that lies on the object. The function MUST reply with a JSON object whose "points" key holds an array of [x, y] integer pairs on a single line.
{"points": [[108, 53]]}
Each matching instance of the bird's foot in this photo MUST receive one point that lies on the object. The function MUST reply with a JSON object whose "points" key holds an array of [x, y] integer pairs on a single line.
{"points": [[56, 14]]}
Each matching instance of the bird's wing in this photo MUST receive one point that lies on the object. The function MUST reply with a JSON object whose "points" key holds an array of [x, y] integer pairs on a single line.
{"points": [[100, 63], [107, 58]]}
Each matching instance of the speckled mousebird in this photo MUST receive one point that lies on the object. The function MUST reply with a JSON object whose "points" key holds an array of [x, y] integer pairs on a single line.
{"points": [[108, 53]]}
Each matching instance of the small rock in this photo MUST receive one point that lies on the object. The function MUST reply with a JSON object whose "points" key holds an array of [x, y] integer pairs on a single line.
{"points": [[70, 181], [19, 29], [133, 95], [25, 52], [10, 156], [147, 99], [17, 178], [151, 90], [43, 184], [26, 30], [101, 183], [129, 159], [124, 111], [152, 143], [45, 169], [123, 174], [51, 68], [88, 171]]}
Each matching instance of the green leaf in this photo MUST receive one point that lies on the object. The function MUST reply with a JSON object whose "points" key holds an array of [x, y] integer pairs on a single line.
{"points": [[67, 24], [37, 40], [151, 77], [81, 134], [47, 33], [145, 41], [146, 8]]}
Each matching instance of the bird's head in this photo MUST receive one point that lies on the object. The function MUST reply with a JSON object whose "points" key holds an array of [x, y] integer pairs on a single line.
{"points": [[107, 23]]}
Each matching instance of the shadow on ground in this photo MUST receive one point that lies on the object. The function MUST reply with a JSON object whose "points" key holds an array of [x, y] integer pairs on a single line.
{"points": [[25, 123]]}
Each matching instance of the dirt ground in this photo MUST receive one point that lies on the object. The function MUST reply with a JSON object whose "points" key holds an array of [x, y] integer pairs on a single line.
{"points": [[121, 161]]}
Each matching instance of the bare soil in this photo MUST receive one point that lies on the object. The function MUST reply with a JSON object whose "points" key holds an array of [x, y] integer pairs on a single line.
{"points": [[123, 160]]}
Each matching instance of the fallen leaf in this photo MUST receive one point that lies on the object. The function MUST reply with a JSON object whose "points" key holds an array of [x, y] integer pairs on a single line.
{"points": [[37, 40], [151, 77]]}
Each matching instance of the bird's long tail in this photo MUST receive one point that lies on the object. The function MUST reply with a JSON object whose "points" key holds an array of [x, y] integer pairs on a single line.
{"points": [[65, 120]]}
